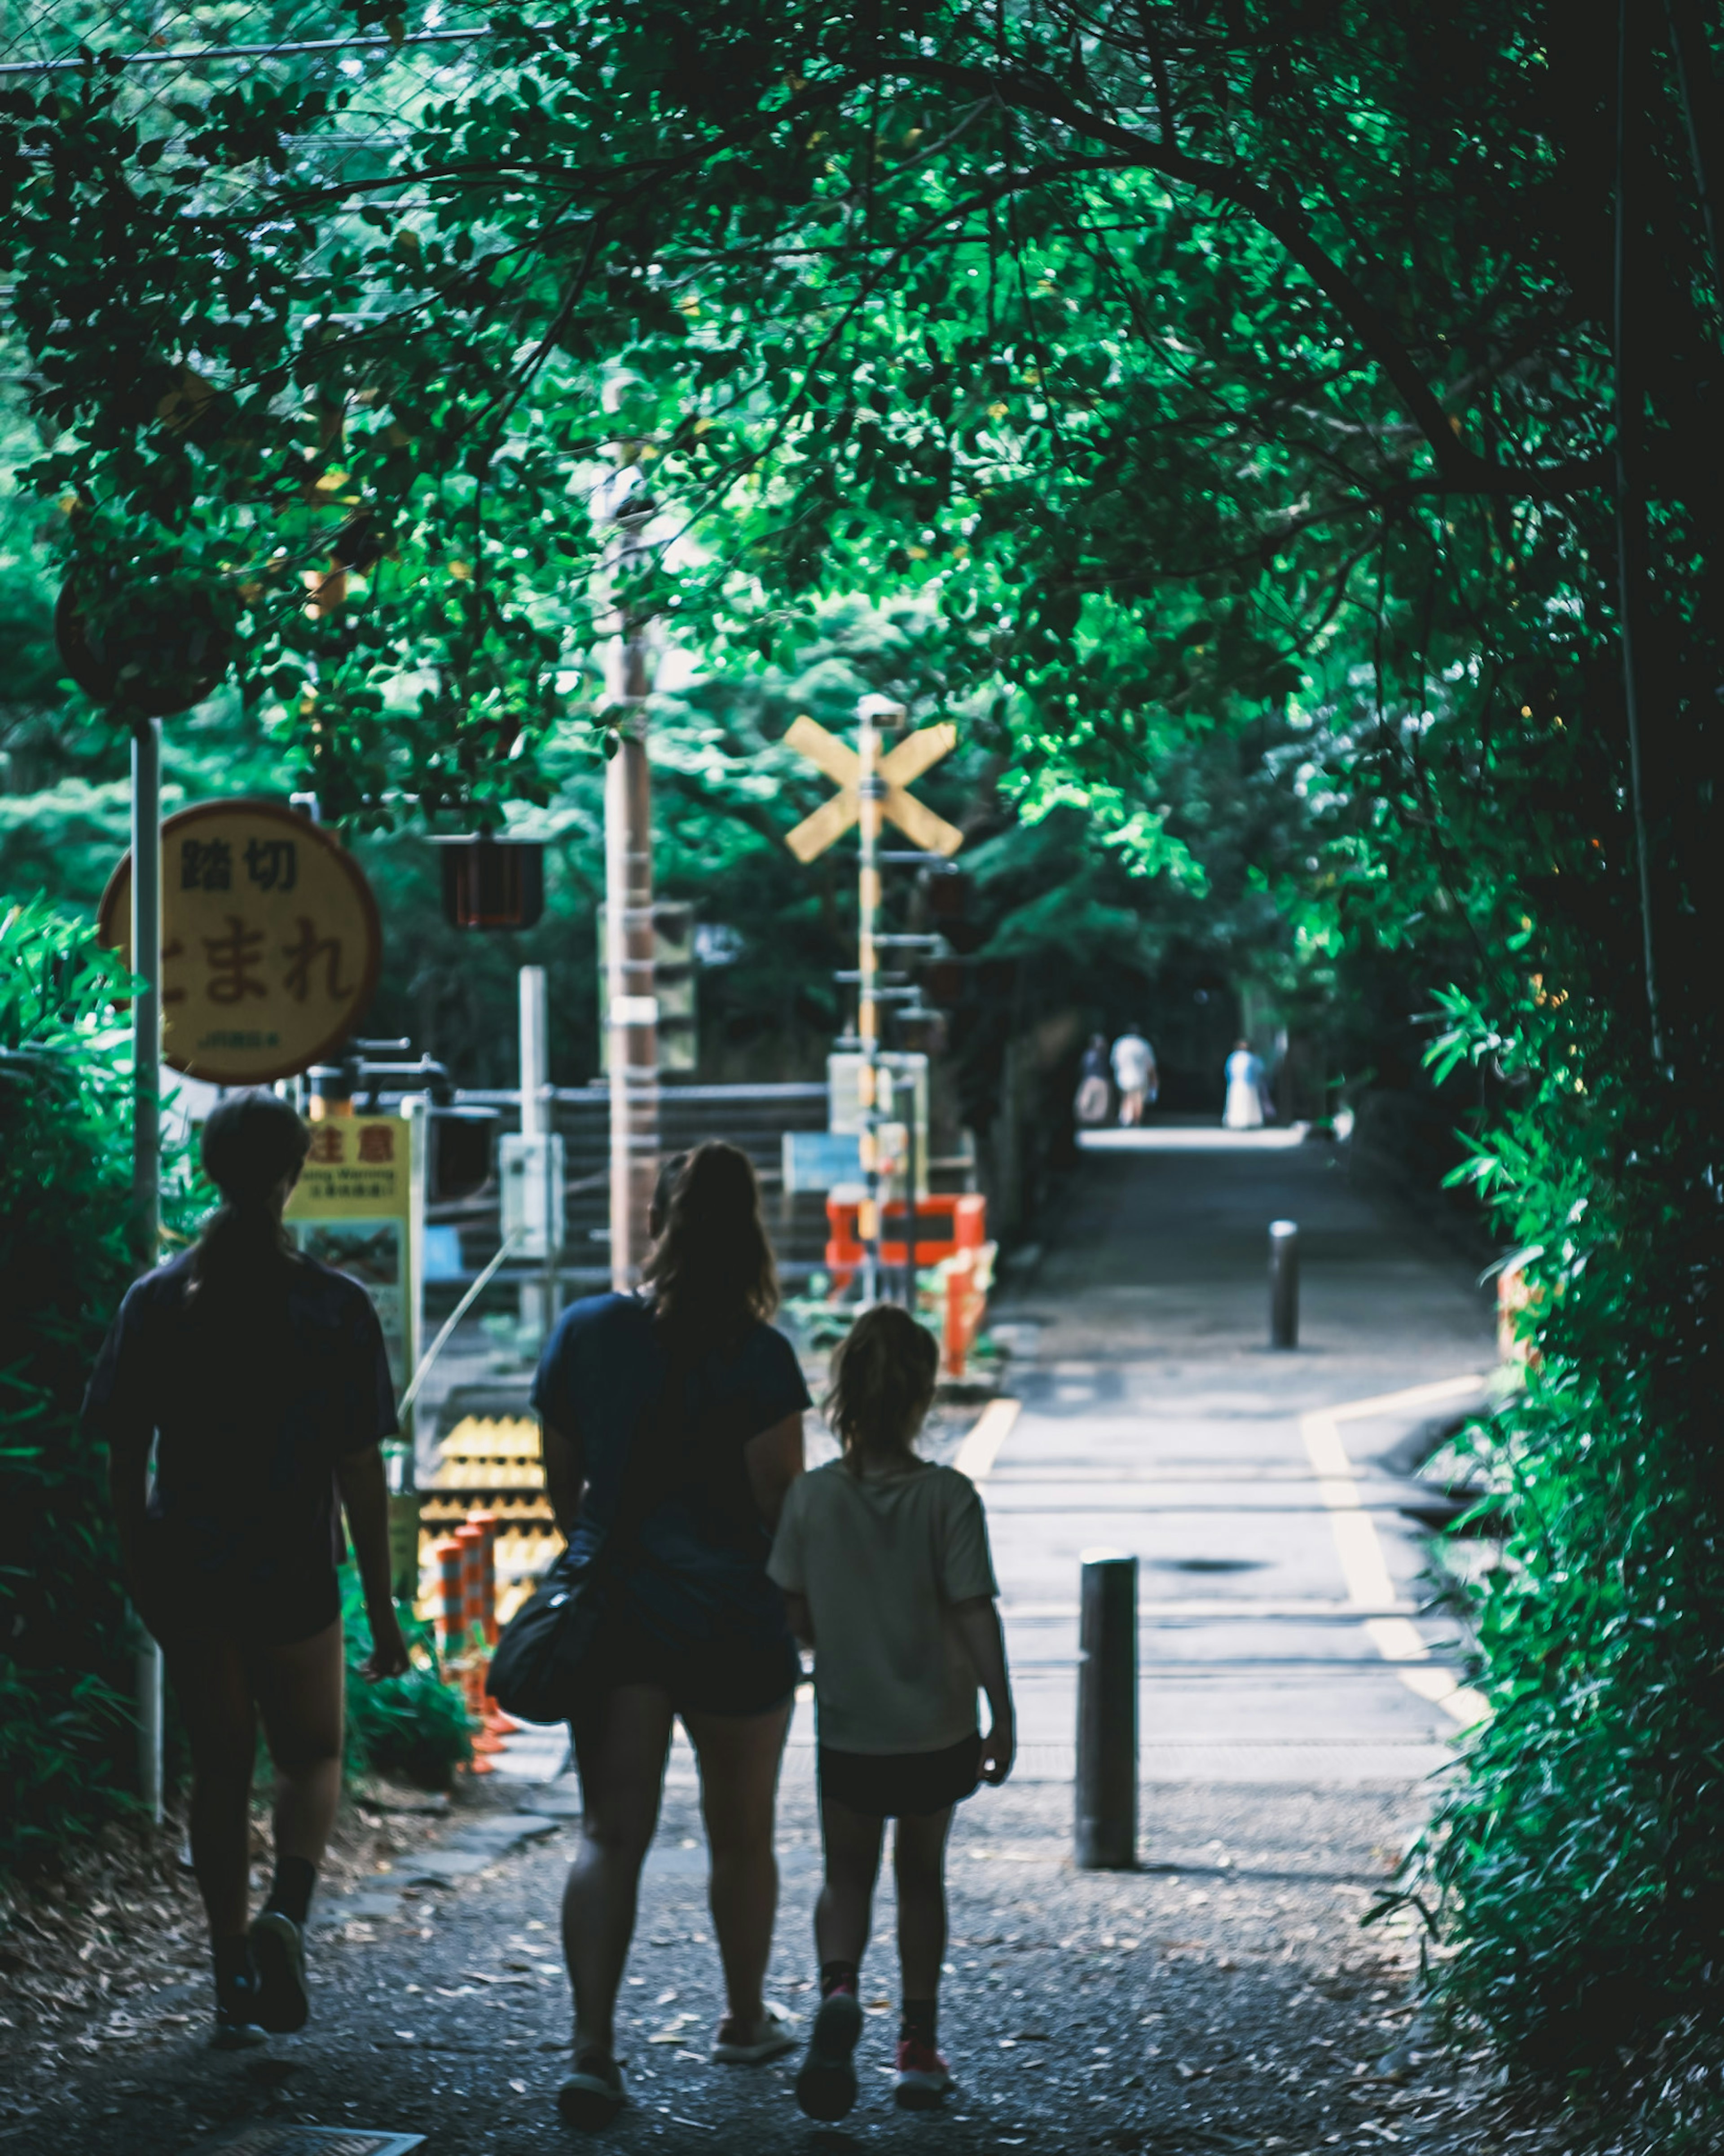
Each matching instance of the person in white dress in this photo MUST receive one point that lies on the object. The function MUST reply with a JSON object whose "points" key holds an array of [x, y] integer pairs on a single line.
{"points": [[1244, 1090], [1134, 1072]]}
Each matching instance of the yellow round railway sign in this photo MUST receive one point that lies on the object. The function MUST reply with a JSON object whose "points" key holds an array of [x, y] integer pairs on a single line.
{"points": [[270, 944]]}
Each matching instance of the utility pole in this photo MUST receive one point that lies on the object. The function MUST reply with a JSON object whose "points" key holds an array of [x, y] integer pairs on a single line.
{"points": [[629, 951], [147, 1137]]}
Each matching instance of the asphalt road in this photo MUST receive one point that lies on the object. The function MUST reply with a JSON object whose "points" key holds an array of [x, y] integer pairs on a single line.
{"points": [[1280, 1581]]}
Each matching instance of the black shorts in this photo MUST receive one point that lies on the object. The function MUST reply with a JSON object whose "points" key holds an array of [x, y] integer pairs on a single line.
{"points": [[279, 1616], [901, 1785], [715, 1677]]}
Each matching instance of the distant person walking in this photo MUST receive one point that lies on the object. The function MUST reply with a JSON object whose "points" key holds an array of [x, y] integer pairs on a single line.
{"points": [[1244, 1111], [1095, 1095], [691, 1626], [1135, 1073], [883, 1560], [259, 1377]]}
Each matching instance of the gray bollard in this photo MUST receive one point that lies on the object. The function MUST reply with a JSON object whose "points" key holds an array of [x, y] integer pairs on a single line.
{"points": [[1284, 1283], [1106, 1810]]}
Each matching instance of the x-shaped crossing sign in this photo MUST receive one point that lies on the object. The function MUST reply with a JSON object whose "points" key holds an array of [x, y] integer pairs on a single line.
{"points": [[908, 761]]}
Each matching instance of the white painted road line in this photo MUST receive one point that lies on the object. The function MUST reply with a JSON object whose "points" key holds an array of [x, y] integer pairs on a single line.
{"points": [[979, 1450], [1360, 1550], [1197, 1138], [1210, 1610], [1415, 1396]]}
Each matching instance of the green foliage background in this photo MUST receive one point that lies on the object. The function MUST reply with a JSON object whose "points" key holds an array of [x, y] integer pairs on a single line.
{"points": [[68, 1749], [1231, 409]]}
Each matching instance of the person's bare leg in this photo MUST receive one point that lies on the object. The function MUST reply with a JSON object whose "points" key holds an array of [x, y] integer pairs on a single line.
{"points": [[740, 1755], [620, 1748], [919, 1863], [845, 1906], [214, 1694], [301, 1693]]}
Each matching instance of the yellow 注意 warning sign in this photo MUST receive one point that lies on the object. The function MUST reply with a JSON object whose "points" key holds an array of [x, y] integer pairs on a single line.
{"points": [[353, 1209]]}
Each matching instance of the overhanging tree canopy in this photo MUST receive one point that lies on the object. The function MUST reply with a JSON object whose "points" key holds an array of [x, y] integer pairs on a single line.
{"points": [[1345, 361]]}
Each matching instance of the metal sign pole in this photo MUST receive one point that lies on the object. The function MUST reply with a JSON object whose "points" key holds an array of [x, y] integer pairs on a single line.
{"points": [[147, 1137], [871, 787], [870, 792], [536, 1313]]}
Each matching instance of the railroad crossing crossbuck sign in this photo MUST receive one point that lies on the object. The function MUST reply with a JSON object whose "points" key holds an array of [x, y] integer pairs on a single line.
{"points": [[894, 772]]}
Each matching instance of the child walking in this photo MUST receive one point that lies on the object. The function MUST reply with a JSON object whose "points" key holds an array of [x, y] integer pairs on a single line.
{"points": [[884, 1565]]}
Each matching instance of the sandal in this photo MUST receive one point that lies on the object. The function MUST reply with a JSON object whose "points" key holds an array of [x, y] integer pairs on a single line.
{"points": [[774, 2036], [593, 2094]]}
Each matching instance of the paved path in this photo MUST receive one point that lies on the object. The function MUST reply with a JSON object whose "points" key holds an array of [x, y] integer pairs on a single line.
{"points": [[1221, 2003], [1279, 1580], [1221, 1999]]}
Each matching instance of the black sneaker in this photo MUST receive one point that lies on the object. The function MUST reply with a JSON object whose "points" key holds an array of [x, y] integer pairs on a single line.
{"points": [[278, 1953], [826, 2086], [593, 2094], [236, 2014]]}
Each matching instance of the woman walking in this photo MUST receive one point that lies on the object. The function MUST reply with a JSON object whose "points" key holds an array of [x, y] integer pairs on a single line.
{"points": [[259, 1378], [681, 1408], [1243, 1109], [884, 1561]]}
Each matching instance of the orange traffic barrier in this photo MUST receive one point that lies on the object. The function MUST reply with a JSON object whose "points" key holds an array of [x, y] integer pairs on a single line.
{"points": [[961, 1316], [472, 1540], [475, 1536], [489, 1713], [486, 1523], [452, 1601], [962, 1216]]}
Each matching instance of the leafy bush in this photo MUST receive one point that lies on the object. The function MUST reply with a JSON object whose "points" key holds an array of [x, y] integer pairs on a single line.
{"points": [[67, 1747], [415, 1727], [1580, 1865]]}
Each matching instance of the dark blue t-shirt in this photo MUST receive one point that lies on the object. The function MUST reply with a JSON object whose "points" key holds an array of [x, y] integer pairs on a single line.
{"points": [[701, 1577], [250, 1419]]}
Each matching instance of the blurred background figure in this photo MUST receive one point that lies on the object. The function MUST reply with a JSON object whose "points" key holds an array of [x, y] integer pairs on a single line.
{"points": [[1095, 1095], [1245, 1089], [1134, 1073]]}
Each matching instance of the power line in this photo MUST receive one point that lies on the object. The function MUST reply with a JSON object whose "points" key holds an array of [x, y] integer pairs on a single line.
{"points": [[180, 54]]}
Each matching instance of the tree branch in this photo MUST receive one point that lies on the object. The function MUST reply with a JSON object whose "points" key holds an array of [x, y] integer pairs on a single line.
{"points": [[1462, 469]]}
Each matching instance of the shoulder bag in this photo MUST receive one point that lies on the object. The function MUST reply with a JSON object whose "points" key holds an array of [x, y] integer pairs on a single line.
{"points": [[537, 1666]]}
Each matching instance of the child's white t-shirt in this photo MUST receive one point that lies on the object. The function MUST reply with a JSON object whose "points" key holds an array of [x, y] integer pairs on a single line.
{"points": [[881, 1558]]}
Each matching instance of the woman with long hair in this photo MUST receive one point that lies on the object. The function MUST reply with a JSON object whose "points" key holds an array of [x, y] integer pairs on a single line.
{"points": [[242, 1392], [690, 1370]]}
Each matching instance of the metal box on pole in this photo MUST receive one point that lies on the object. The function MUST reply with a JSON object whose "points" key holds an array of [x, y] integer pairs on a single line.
{"points": [[532, 1181]]}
